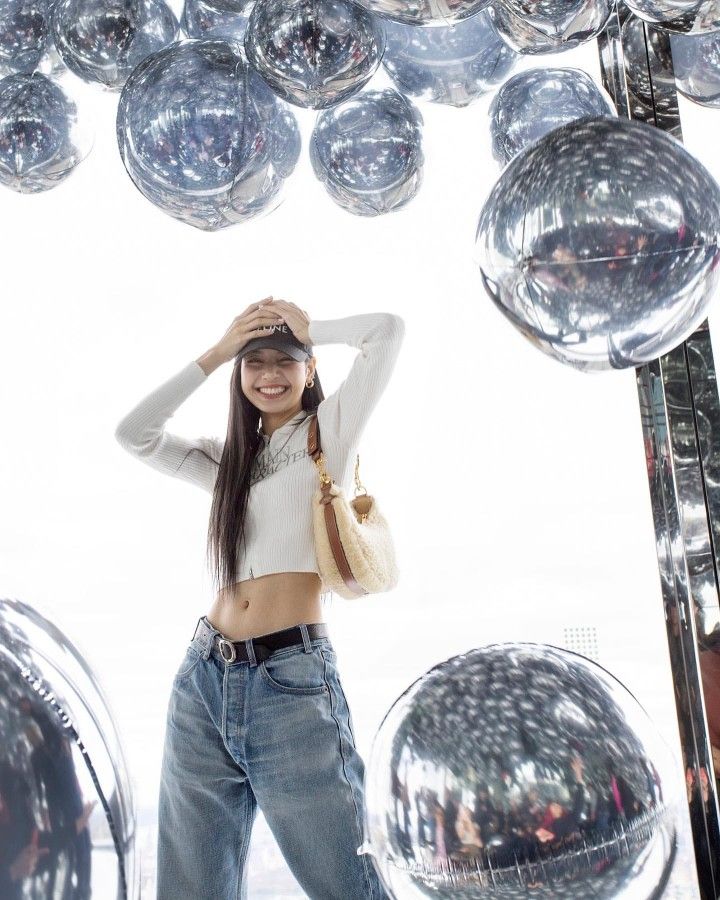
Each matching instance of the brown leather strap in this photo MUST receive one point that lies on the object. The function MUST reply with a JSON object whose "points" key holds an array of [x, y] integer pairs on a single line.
{"points": [[331, 525]]}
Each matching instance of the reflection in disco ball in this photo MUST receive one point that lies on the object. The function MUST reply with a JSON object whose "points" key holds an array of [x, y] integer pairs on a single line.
{"points": [[63, 780], [536, 101], [203, 138], [26, 44], [425, 12], [103, 40], [600, 243], [519, 770], [41, 141], [681, 16], [696, 61], [210, 19], [550, 26], [454, 64], [314, 53], [368, 152]]}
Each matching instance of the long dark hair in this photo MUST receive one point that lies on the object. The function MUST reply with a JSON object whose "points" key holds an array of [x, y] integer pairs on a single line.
{"points": [[226, 526]]}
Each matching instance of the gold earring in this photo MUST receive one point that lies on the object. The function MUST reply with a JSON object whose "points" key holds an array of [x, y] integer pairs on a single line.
{"points": [[310, 383]]}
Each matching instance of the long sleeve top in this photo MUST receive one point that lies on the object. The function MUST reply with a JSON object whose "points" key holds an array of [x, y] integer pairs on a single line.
{"points": [[279, 525]]}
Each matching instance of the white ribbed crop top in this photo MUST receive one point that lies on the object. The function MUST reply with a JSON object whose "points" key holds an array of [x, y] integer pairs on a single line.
{"points": [[278, 527]]}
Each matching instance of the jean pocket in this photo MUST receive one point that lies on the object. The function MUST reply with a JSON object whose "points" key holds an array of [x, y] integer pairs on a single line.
{"points": [[295, 673], [190, 660]]}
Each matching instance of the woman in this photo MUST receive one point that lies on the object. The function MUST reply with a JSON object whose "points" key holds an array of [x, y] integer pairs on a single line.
{"points": [[257, 714]]}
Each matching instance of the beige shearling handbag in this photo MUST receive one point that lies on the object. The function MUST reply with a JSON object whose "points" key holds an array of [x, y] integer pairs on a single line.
{"points": [[353, 545]]}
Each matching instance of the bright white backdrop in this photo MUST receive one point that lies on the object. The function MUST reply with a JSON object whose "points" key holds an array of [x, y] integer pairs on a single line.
{"points": [[516, 487]]}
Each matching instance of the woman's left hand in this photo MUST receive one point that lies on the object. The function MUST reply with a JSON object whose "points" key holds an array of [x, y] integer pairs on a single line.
{"points": [[296, 319]]}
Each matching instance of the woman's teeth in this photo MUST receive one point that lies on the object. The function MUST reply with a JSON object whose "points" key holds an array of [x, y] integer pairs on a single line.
{"points": [[272, 392]]}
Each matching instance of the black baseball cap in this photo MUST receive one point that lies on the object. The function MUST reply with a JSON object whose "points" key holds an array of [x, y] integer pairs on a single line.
{"points": [[279, 337]]}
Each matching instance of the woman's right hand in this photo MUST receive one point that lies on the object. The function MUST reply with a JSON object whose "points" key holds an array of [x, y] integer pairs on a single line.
{"points": [[248, 325]]}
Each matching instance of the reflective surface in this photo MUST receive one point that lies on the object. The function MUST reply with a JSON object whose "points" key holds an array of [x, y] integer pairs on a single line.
{"points": [[683, 16], [425, 12], [26, 43], [103, 40], [549, 26], [202, 19], [41, 141], [520, 770], [696, 60], [314, 53], [453, 64], [536, 101], [368, 152], [204, 139], [67, 826], [600, 243]]}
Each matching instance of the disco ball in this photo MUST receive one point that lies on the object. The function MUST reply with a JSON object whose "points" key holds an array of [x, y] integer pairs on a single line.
{"points": [[681, 16], [550, 26], [103, 40], [519, 770], [209, 19], [425, 12], [63, 780], [368, 152], [696, 62], [313, 53], [536, 101], [204, 138], [599, 242], [26, 44], [454, 64], [41, 140]]}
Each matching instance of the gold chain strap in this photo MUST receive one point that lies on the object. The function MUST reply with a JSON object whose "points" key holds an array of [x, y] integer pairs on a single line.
{"points": [[326, 479]]}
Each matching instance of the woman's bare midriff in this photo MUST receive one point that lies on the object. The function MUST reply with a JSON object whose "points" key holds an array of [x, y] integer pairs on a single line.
{"points": [[269, 603]]}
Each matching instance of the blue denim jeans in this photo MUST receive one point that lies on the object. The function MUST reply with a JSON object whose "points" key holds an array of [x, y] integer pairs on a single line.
{"points": [[275, 734]]}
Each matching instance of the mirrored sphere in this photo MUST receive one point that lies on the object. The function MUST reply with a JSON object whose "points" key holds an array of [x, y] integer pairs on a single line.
{"points": [[201, 19], [534, 102], [519, 770], [425, 12], [696, 61], [203, 137], [368, 152], [68, 824], [550, 26], [681, 16], [453, 64], [26, 43], [103, 40], [640, 44], [314, 53], [599, 242], [41, 139]]}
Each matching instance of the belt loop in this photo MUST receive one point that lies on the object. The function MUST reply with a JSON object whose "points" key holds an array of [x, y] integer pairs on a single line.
{"points": [[306, 638], [206, 636], [250, 647]]}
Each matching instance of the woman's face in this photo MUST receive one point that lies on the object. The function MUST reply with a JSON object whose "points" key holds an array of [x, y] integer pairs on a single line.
{"points": [[268, 368]]}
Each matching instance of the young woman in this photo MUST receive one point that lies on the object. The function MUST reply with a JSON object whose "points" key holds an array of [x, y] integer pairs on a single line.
{"points": [[257, 714]]}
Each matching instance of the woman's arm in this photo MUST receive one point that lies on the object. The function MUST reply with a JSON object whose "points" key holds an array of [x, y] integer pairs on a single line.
{"points": [[142, 431], [343, 415]]}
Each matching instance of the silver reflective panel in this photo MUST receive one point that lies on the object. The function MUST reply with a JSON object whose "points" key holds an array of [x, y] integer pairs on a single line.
{"points": [[41, 140], [368, 152], [600, 243], [103, 40], [550, 26], [314, 53], [536, 101], [454, 64], [682, 16], [203, 137], [520, 770], [67, 823]]}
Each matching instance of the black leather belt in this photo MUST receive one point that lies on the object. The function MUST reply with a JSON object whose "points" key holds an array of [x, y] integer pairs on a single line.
{"points": [[264, 645]]}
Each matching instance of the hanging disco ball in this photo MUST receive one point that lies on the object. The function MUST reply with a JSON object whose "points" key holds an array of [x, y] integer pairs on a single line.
{"points": [[41, 140], [26, 44], [519, 770], [64, 784], [313, 53], [368, 152], [600, 243], [103, 40], [453, 64], [696, 62], [550, 26], [202, 19], [681, 16], [203, 138], [425, 12], [536, 101]]}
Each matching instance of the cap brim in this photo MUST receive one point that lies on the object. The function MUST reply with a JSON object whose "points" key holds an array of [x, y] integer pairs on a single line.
{"points": [[274, 344]]}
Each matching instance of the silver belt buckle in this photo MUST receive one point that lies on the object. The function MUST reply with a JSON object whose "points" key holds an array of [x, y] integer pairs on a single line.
{"points": [[224, 642]]}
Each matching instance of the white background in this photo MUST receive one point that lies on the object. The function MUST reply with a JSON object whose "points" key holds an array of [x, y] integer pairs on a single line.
{"points": [[515, 486]]}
